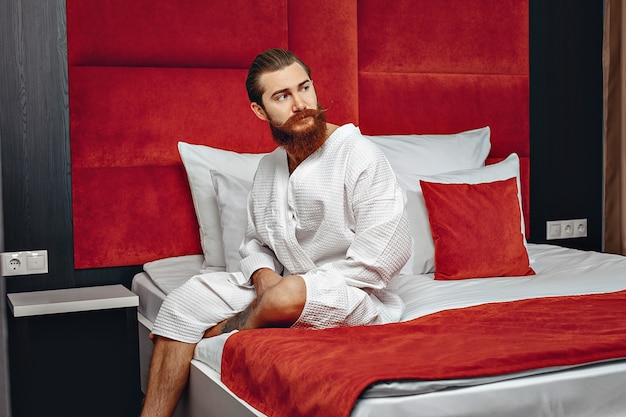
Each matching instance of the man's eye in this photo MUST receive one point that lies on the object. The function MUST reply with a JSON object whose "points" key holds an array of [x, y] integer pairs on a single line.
{"points": [[281, 97]]}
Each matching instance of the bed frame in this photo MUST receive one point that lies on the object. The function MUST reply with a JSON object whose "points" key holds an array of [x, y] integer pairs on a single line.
{"points": [[144, 74]]}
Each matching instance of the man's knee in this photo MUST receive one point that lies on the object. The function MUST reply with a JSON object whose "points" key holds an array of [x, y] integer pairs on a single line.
{"points": [[285, 299]]}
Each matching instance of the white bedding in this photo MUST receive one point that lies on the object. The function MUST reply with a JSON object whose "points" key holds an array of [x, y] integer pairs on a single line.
{"points": [[560, 271]]}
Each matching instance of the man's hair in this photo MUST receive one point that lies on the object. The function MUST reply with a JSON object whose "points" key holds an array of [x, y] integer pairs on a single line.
{"points": [[269, 61]]}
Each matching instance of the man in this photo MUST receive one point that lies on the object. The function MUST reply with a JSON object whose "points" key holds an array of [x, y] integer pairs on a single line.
{"points": [[327, 231]]}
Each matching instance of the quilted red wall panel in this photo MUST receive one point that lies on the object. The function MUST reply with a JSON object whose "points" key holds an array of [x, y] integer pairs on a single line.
{"points": [[167, 33], [458, 36], [145, 74], [429, 68]]}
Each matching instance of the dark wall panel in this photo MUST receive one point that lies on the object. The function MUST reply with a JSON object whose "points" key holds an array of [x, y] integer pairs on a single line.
{"points": [[34, 130], [566, 117]]}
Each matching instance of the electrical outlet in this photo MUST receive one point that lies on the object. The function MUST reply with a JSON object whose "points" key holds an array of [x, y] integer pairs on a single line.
{"points": [[566, 229], [580, 227], [24, 263]]}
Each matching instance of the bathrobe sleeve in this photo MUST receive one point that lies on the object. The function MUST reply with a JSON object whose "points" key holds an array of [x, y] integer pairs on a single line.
{"points": [[256, 255]]}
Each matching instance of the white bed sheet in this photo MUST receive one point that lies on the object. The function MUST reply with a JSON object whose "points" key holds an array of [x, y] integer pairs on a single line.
{"points": [[560, 271]]}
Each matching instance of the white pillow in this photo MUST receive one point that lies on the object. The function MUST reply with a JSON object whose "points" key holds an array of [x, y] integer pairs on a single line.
{"points": [[411, 155], [232, 198], [434, 154], [423, 246], [170, 273], [199, 160]]}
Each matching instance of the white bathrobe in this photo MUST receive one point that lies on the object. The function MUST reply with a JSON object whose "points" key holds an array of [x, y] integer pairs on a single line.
{"points": [[338, 221]]}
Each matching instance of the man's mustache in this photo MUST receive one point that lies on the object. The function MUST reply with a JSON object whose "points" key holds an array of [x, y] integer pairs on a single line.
{"points": [[303, 114]]}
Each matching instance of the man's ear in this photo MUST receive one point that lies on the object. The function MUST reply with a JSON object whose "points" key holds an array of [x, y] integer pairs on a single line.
{"points": [[258, 110]]}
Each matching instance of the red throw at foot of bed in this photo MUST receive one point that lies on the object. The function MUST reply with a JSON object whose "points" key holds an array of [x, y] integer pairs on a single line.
{"points": [[289, 372]]}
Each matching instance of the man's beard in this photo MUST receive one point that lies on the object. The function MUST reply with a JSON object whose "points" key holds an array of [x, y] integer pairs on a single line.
{"points": [[297, 141]]}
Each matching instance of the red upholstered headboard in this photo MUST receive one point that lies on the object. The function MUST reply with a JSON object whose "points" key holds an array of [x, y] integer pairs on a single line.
{"points": [[144, 74]]}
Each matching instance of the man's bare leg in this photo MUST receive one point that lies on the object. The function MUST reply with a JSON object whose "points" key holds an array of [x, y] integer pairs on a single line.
{"points": [[169, 371], [237, 322]]}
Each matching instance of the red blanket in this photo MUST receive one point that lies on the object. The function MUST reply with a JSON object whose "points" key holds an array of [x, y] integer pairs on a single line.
{"points": [[291, 372]]}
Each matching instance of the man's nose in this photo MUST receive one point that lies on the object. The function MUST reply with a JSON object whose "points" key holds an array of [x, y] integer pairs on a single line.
{"points": [[298, 103]]}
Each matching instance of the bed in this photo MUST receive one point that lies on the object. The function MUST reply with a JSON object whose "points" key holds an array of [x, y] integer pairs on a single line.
{"points": [[480, 302], [589, 389], [164, 146]]}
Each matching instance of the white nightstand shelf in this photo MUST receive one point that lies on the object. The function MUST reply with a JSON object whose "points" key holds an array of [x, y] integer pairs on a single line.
{"points": [[74, 352], [37, 303]]}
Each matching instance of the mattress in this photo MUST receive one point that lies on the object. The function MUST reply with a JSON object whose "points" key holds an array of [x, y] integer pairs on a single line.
{"points": [[560, 271]]}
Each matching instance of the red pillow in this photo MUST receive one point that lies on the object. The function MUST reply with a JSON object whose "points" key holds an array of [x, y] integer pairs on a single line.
{"points": [[476, 230]]}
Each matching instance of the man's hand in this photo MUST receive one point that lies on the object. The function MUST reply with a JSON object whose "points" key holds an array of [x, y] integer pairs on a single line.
{"points": [[263, 279]]}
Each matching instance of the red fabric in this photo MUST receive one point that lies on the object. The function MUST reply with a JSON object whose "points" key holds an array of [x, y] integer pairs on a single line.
{"points": [[135, 116], [141, 200], [166, 33], [476, 229], [447, 103], [462, 37], [294, 372]]}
